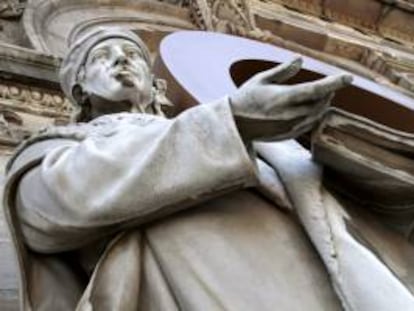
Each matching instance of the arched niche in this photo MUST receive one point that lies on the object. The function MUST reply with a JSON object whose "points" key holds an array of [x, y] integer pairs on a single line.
{"points": [[52, 25], [202, 67]]}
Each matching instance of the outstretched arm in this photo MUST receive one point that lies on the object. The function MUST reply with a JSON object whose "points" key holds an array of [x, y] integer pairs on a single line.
{"points": [[130, 175], [138, 172], [265, 109]]}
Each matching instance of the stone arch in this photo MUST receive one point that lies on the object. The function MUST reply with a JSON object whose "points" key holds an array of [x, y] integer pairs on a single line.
{"points": [[50, 25]]}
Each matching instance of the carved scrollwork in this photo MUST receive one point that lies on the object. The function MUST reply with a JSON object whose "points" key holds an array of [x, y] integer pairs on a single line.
{"points": [[227, 16], [34, 100], [12, 130], [12, 8]]}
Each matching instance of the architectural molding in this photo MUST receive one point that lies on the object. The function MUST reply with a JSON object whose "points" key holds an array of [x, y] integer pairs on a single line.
{"points": [[371, 56], [12, 8], [181, 3], [26, 63], [34, 100], [391, 19], [18, 100], [50, 25], [227, 16], [12, 131]]}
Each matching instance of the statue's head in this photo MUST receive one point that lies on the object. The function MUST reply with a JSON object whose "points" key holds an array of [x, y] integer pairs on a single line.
{"points": [[110, 67]]}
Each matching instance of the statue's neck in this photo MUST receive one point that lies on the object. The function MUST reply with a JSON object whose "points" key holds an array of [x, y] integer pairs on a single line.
{"points": [[101, 106]]}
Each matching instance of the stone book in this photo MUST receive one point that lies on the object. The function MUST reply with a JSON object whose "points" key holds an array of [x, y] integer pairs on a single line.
{"points": [[366, 160]]}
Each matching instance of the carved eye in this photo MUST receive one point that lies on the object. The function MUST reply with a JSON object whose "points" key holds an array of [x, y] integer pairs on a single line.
{"points": [[132, 53], [100, 55]]}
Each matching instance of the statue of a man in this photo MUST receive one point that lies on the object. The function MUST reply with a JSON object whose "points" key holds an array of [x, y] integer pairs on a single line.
{"points": [[129, 210]]}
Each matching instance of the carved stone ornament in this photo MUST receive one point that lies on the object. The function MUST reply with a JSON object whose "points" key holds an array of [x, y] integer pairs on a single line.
{"points": [[11, 128], [34, 100], [52, 25], [391, 19], [227, 16], [12, 8]]}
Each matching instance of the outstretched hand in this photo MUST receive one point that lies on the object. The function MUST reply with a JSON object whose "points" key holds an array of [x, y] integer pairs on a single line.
{"points": [[265, 109]]}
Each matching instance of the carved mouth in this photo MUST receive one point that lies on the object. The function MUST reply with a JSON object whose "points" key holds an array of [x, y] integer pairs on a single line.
{"points": [[124, 69], [123, 73], [125, 76]]}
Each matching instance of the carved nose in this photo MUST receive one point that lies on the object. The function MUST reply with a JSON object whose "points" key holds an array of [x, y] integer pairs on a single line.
{"points": [[121, 60]]}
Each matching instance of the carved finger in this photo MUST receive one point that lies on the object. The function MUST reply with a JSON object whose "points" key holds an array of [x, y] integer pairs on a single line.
{"points": [[292, 133], [316, 90], [294, 112], [307, 121], [303, 129], [294, 124], [281, 72], [305, 109], [300, 128], [319, 110], [274, 130]]}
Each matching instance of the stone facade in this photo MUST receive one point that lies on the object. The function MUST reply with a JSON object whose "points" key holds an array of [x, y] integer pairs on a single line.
{"points": [[373, 38]]}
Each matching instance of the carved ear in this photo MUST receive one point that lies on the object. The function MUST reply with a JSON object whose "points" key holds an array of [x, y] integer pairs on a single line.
{"points": [[81, 74], [78, 94]]}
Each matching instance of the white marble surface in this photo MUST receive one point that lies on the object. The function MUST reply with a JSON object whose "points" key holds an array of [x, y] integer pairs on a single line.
{"points": [[8, 271]]}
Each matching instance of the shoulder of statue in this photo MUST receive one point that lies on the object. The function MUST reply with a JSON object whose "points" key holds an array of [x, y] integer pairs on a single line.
{"points": [[74, 132], [55, 135]]}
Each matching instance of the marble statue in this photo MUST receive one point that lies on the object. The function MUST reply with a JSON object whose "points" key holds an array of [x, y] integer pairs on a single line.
{"points": [[126, 209]]}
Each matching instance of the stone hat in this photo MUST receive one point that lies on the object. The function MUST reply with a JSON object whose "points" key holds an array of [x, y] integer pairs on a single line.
{"points": [[79, 51]]}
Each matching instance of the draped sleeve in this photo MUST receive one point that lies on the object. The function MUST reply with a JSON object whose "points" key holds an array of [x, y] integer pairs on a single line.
{"points": [[137, 169]]}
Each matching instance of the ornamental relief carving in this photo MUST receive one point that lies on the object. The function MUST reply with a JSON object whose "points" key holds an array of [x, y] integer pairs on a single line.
{"points": [[17, 98], [391, 19], [227, 16], [12, 130], [12, 8], [34, 100]]}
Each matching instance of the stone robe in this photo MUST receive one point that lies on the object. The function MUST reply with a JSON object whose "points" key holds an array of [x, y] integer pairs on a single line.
{"points": [[136, 212]]}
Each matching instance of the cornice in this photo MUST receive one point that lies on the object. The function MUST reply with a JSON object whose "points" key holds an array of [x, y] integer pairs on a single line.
{"points": [[21, 63], [405, 5]]}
